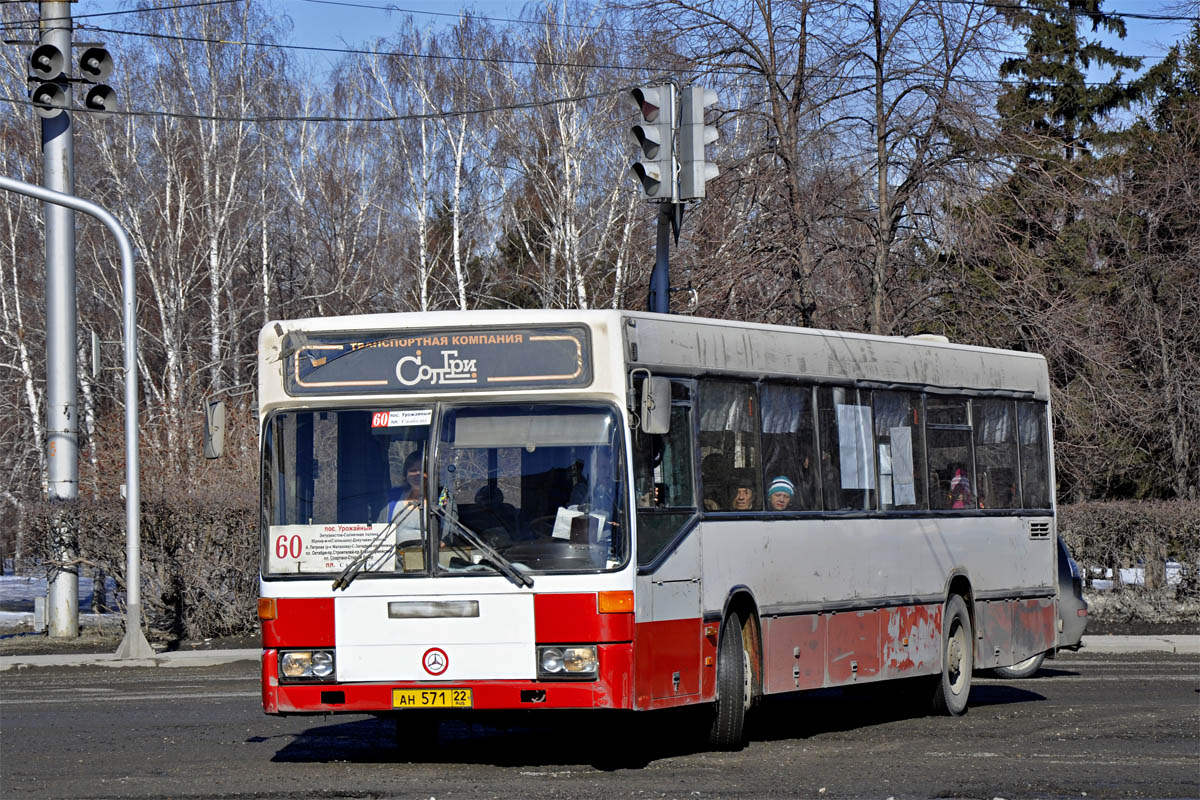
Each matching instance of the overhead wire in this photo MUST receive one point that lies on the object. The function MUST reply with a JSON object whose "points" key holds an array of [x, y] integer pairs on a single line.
{"points": [[474, 59], [984, 3], [431, 56], [460, 14], [38, 22], [449, 57], [330, 118]]}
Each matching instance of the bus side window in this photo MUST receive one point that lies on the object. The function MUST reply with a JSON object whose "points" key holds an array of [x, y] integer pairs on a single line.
{"points": [[847, 448], [996, 453], [729, 426], [901, 445], [662, 465], [789, 446], [1035, 465], [951, 458], [663, 491]]}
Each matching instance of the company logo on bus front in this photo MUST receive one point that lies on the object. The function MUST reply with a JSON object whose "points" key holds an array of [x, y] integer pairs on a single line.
{"points": [[454, 370], [435, 661]]}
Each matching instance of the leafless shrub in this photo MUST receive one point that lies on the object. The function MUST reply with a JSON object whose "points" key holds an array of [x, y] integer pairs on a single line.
{"points": [[1128, 534], [199, 560]]}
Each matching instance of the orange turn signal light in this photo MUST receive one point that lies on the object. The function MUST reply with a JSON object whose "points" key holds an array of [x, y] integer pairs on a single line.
{"points": [[267, 608], [615, 602]]}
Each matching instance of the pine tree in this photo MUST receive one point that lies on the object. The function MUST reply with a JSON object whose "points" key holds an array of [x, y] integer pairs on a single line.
{"points": [[1053, 103], [1042, 270]]}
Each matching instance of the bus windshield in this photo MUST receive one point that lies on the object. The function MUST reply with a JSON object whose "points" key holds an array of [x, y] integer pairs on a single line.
{"points": [[541, 485]]}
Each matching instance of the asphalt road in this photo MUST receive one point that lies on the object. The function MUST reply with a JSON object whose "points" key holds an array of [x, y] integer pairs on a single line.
{"points": [[1089, 726]]}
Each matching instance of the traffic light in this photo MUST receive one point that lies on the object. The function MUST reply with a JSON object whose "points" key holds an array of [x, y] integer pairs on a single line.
{"points": [[95, 65], [49, 95], [655, 134], [694, 170]]}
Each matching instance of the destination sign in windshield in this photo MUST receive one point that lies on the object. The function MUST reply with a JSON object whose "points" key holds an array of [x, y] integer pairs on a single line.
{"points": [[423, 361]]}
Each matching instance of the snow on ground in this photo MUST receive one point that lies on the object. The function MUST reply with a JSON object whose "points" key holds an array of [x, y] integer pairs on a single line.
{"points": [[1136, 576], [17, 593]]}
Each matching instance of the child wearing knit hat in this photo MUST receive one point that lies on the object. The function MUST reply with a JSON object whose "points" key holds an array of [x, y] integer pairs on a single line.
{"points": [[780, 493]]}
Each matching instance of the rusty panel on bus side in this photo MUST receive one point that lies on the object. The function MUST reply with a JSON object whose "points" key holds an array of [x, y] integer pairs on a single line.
{"points": [[795, 653], [853, 646], [912, 641], [994, 642], [1034, 623]]}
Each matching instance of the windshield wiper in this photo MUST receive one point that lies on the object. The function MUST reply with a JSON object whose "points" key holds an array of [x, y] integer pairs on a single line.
{"points": [[351, 570], [506, 567]]}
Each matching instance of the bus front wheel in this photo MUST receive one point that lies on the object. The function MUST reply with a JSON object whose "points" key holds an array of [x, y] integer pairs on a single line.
{"points": [[953, 687], [734, 688]]}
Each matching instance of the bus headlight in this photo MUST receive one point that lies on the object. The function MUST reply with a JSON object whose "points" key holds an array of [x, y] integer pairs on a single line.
{"points": [[306, 665], [568, 662]]}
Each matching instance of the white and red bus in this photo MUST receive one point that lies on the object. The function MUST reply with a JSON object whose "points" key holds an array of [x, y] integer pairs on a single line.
{"points": [[622, 510]]}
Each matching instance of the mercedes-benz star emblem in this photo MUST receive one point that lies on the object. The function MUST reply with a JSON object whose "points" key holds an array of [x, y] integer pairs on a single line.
{"points": [[435, 661]]}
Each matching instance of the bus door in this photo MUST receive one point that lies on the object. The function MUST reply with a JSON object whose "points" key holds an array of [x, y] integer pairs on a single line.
{"points": [[669, 618]]}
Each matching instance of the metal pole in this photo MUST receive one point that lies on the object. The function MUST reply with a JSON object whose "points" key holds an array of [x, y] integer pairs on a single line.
{"points": [[134, 645], [660, 279], [62, 419]]}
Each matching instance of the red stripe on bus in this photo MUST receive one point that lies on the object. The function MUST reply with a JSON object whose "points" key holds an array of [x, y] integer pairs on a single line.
{"points": [[811, 651], [301, 622], [662, 650], [574, 618], [270, 682], [612, 690]]}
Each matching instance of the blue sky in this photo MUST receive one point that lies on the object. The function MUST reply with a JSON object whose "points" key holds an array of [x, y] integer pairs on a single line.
{"points": [[341, 23]]}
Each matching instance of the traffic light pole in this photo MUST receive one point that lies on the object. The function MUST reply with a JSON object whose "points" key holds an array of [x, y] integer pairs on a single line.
{"points": [[62, 419], [670, 215], [661, 177]]}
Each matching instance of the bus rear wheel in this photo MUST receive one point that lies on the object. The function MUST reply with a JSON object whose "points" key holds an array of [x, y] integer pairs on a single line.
{"points": [[1022, 669], [734, 688], [953, 687]]}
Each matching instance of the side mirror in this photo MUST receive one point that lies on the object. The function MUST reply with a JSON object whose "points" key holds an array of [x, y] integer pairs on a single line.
{"points": [[214, 428], [656, 405]]}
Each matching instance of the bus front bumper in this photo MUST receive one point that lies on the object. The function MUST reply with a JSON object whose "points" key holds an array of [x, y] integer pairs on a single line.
{"points": [[612, 689]]}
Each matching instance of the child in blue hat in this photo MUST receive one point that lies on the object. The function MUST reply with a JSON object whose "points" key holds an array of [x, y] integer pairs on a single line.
{"points": [[780, 493]]}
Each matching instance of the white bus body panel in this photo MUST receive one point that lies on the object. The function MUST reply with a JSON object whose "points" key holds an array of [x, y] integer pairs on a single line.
{"points": [[498, 644], [790, 563]]}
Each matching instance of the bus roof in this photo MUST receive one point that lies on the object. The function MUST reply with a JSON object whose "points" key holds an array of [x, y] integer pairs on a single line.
{"points": [[701, 346]]}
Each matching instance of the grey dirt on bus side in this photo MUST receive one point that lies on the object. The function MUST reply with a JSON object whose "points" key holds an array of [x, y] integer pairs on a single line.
{"points": [[1180, 644]]}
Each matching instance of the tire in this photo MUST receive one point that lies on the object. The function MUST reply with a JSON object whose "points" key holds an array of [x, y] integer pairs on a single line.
{"points": [[953, 687], [1022, 669], [734, 691]]}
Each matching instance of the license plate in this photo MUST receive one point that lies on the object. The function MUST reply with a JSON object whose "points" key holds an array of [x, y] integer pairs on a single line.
{"points": [[431, 698]]}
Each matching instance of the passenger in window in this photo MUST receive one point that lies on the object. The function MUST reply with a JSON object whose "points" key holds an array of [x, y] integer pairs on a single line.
{"points": [[780, 493], [644, 483], [805, 497], [743, 491], [714, 475], [407, 493], [831, 479], [403, 509], [960, 490], [594, 493]]}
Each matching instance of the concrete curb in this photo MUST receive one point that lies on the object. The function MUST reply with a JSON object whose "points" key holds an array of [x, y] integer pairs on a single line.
{"points": [[1179, 645], [1185, 644], [180, 658]]}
